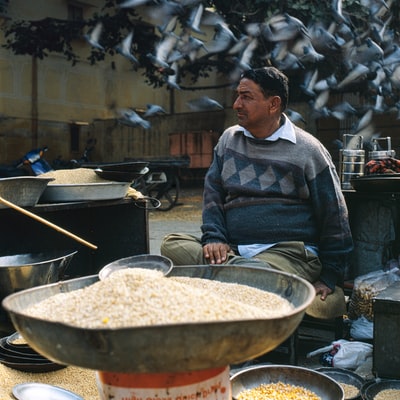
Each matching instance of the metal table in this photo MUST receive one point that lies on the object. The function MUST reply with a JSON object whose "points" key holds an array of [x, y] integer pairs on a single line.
{"points": [[374, 221], [119, 228]]}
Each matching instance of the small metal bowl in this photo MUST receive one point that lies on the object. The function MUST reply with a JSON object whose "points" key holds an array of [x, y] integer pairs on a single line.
{"points": [[30, 390], [346, 376], [147, 261], [319, 383]]}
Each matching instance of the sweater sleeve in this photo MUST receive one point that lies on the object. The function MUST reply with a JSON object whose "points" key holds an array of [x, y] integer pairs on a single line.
{"points": [[214, 227], [335, 241]]}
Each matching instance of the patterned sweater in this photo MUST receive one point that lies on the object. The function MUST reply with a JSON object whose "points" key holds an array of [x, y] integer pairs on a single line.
{"points": [[259, 191]]}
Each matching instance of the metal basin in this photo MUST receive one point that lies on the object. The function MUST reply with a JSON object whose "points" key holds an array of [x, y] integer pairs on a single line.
{"points": [[84, 192], [346, 376], [372, 389], [24, 191], [165, 348], [252, 377], [23, 271]]}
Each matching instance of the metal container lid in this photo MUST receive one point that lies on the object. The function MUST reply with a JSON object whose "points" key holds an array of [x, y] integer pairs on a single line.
{"points": [[380, 154]]}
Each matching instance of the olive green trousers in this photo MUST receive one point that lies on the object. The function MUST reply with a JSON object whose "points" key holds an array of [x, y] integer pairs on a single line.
{"points": [[290, 257]]}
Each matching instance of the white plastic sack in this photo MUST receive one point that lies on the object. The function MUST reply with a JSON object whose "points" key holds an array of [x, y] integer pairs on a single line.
{"points": [[344, 354], [362, 329]]}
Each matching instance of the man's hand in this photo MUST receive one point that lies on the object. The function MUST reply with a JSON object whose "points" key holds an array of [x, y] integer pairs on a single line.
{"points": [[322, 289], [216, 253]]}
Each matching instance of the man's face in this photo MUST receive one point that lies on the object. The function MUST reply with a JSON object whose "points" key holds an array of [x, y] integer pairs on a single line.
{"points": [[251, 106]]}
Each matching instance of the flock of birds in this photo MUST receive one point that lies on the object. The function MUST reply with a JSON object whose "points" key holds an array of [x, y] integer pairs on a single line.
{"points": [[369, 59]]}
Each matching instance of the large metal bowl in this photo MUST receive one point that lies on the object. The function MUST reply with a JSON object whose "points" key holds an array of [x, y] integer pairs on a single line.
{"points": [[24, 191], [165, 348], [252, 377], [23, 271]]}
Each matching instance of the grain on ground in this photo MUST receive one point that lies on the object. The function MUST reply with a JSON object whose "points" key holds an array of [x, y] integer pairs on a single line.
{"points": [[78, 380]]}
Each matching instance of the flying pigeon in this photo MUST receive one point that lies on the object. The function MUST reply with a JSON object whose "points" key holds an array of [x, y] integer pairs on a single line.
{"points": [[204, 103], [153, 109], [125, 48], [93, 37], [295, 116], [195, 18], [172, 80], [131, 118], [132, 3]]}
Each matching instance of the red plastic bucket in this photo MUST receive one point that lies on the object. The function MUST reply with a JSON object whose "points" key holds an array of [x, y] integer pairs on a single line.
{"points": [[210, 384]]}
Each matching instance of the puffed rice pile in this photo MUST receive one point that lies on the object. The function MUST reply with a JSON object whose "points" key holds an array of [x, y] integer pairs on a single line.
{"points": [[134, 297]]}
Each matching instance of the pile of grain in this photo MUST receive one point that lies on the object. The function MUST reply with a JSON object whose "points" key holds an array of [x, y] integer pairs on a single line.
{"points": [[350, 391], [139, 297], [278, 391], [388, 394], [73, 176]]}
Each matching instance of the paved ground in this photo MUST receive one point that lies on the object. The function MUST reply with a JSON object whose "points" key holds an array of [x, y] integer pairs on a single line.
{"points": [[185, 218]]}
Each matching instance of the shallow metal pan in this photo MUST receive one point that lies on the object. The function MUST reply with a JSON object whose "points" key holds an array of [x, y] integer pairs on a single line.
{"points": [[120, 176], [134, 166], [84, 192]]}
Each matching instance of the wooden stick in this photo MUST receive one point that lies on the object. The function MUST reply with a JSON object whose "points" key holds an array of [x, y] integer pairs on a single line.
{"points": [[48, 223]]}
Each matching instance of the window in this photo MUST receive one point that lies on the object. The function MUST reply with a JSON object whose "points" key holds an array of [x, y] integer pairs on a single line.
{"points": [[75, 13], [74, 131], [3, 7]]}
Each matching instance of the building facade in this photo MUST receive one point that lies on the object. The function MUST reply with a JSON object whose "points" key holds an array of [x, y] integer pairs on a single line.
{"points": [[49, 102]]}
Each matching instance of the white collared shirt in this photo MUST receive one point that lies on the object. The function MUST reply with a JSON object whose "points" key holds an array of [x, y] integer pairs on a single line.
{"points": [[286, 132]]}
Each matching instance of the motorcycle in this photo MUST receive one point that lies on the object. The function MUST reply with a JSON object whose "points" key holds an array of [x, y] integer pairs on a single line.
{"points": [[31, 164], [83, 161]]}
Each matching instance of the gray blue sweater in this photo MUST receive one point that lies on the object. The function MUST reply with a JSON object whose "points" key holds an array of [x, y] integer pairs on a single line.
{"points": [[259, 191]]}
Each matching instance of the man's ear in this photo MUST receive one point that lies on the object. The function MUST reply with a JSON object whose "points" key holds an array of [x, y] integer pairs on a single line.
{"points": [[275, 103]]}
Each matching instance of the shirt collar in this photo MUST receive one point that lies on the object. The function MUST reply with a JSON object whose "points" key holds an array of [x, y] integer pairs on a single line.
{"points": [[285, 132]]}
